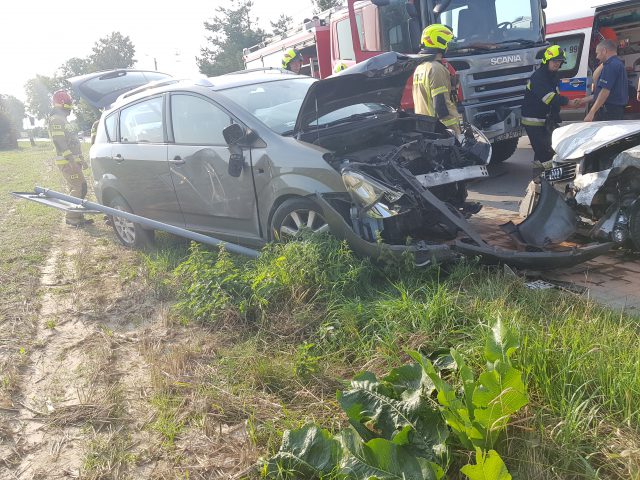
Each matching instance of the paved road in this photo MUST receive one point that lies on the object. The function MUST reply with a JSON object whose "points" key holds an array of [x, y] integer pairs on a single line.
{"points": [[613, 279]]}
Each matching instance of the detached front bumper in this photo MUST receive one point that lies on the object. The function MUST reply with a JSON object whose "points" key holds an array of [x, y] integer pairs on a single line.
{"points": [[427, 254]]}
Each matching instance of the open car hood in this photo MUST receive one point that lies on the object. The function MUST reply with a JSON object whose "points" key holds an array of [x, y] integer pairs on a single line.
{"points": [[101, 89], [380, 79], [579, 139]]}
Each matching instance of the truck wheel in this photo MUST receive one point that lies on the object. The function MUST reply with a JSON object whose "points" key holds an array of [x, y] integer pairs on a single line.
{"points": [[634, 227], [293, 216], [502, 150], [130, 234]]}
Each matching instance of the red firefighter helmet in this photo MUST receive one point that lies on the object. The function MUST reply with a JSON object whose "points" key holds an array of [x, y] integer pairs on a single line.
{"points": [[62, 99]]}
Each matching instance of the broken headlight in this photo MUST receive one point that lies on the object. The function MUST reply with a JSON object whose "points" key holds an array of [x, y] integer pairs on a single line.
{"points": [[371, 195]]}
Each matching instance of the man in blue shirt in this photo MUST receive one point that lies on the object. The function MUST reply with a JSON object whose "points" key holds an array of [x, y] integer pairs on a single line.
{"points": [[612, 89]]}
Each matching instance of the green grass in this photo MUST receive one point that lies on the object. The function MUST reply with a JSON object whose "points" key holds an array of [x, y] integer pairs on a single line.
{"points": [[306, 315], [25, 235]]}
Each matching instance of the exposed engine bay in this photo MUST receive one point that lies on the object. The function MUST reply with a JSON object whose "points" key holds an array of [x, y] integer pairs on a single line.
{"points": [[387, 168]]}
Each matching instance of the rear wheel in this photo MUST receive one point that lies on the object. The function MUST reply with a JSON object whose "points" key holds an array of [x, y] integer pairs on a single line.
{"points": [[293, 217], [130, 234], [500, 151]]}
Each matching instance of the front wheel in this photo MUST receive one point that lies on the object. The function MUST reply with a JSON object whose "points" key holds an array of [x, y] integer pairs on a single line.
{"points": [[634, 226], [130, 234], [293, 217], [502, 150]]}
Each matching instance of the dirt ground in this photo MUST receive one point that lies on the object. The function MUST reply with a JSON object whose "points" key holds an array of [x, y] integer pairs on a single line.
{"points": [[94, 396]]}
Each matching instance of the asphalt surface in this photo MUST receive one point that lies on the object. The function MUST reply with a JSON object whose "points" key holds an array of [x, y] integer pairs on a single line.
{"points": [[507, 181]]}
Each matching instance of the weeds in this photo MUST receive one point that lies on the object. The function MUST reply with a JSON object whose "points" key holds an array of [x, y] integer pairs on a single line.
{"points": [[343, 314]]}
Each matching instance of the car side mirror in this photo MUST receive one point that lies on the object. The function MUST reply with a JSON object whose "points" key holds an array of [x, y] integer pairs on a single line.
{"points": [[234, 134]]}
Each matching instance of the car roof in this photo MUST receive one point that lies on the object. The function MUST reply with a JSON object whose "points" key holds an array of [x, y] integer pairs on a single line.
{"points": [[222, 82], [250, 77]]}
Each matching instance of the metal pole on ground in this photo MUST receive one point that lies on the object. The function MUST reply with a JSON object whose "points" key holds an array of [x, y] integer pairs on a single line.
{"points": [[182, 232]]}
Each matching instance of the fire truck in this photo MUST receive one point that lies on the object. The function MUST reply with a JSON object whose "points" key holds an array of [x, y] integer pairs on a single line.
{"points": [[494, 51]]}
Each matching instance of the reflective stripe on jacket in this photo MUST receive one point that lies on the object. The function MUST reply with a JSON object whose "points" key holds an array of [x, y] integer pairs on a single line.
{"points": [[542, 97], [64, 139], [429, 80]]}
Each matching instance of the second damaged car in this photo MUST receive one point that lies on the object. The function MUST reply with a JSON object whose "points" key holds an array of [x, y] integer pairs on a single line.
{"points": [[596, 180], [261, 155]]}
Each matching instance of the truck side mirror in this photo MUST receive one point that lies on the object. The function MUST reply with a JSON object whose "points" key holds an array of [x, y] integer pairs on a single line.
{"points": [[543, 4], [441, 6], [234, 134]]}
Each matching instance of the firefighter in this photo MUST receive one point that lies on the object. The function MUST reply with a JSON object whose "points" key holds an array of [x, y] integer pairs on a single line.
{"points": [[432, 87], [292, 61], [541, 105], [340, 67], [69, 159]]}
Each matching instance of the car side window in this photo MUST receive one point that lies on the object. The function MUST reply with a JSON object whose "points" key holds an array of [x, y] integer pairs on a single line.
{"points": [[110, 126], [196, 121], [142, 122]]}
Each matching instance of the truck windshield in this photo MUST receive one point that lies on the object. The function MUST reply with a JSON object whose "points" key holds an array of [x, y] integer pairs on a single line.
{"points": [[482, 25], [395, 28]]}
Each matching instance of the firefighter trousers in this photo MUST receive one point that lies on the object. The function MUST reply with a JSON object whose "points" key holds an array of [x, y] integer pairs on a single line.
{"points": [[540, 138], [76, 184]]}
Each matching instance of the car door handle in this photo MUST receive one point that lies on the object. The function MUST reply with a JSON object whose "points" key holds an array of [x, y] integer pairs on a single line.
{"points": [[118, 158], [177, 160]]}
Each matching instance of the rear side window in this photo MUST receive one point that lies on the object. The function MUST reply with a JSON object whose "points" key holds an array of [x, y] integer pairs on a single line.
{"points": [[110, 126], [142, 122], [197, 121]]}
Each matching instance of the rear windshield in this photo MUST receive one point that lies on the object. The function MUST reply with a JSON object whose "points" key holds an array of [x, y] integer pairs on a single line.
{"points": [[117, 82]]}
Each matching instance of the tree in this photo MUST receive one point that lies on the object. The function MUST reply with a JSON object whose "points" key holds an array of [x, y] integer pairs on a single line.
{"points": [[112, 51], [14, 108], [232, 30], [322, 5], [39, 90], [75, 66], [8, 136], [281, 25]]}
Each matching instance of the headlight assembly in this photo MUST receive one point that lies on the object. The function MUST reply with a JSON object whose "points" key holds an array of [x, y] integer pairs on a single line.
{"points": [[370, 194]]}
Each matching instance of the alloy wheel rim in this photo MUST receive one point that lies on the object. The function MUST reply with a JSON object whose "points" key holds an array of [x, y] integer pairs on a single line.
{"points": [[298, 220], [125, 228]]}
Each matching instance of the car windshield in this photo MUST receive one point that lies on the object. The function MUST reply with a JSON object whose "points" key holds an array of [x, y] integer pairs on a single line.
{"points": [[489, 25], [275, 103]]}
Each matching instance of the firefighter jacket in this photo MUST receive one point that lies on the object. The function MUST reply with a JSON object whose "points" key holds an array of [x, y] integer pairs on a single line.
{"points": [[542, 98], [429, 80], [66, 142]]}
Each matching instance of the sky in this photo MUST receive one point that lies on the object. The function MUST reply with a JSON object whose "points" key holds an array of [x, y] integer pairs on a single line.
{"points": [[38, 36]]}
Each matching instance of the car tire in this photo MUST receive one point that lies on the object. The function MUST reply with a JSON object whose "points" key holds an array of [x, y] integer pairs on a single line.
{"points": [[501, 151], [130, 234], [293, 216]]}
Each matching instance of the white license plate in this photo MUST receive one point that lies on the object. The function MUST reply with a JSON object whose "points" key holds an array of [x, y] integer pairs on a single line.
{"points": [[517, 133]]}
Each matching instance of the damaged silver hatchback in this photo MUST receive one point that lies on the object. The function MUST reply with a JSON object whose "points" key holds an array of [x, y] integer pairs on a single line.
{"points": [[255, 156]]}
